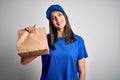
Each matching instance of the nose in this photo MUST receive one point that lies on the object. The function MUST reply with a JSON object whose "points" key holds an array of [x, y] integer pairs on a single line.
{"points": [[57, 18]]}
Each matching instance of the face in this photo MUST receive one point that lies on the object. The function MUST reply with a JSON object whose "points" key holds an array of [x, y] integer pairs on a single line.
{"points": [[58, 19]]}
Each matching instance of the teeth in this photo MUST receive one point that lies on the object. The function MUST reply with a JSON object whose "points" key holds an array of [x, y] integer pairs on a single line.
{"points": [[59, 23]]}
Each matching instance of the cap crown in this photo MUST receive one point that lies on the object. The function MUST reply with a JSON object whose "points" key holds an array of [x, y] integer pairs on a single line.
{"points": [[52, 8]]}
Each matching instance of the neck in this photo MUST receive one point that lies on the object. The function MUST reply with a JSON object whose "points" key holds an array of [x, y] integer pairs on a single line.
{"points": [[60, 33]]}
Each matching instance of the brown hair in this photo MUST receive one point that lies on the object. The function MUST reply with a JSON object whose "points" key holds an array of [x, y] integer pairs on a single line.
{"points": [[68, 33]]}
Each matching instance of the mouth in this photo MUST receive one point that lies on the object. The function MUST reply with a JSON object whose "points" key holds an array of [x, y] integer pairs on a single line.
{"points": [[59, 23]]}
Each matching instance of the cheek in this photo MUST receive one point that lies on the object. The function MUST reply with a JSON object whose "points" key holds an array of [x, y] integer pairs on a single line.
{"points": [[54, 23], [64, 22]]}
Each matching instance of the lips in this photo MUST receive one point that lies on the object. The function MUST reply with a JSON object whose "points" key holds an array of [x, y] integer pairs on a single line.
{"points": [[59, 23]]}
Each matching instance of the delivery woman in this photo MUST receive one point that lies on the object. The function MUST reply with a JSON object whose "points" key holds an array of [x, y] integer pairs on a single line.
{"points": [[67, 49]]}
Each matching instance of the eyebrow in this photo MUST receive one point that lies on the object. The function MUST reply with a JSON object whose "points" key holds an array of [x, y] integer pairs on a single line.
{"points": [[58, 13]]}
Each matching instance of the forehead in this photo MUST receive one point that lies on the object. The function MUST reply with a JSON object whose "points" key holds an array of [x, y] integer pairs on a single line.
{"points": [[55, 12]]}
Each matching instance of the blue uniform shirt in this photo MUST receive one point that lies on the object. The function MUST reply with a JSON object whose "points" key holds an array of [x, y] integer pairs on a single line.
{"points": [[61, 64]]}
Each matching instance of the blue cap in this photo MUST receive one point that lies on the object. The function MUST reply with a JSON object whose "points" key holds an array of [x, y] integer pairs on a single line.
{"points": [[52, 8]]}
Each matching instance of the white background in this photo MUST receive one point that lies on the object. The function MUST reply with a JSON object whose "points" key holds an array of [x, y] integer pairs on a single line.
{"points": [[97, 21]]}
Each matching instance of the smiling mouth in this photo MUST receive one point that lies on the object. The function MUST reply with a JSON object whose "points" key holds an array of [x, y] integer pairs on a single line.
{"points": [[59, 23]]}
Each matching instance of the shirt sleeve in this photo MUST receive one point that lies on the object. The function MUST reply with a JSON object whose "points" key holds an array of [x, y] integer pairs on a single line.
{"points": [[82, 53]]}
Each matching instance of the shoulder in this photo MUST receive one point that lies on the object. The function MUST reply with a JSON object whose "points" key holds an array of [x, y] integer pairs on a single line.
{"points": [[78, 38]]}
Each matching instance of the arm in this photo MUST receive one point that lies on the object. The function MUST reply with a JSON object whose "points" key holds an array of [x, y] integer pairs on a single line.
{"points": [[26, 60], [82, 71]]}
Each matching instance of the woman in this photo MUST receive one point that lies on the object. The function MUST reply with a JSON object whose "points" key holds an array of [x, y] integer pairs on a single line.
{"points": [[67, 50]]}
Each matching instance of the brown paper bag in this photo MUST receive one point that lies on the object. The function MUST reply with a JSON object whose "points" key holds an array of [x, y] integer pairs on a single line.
{"points": [[32, 44]]}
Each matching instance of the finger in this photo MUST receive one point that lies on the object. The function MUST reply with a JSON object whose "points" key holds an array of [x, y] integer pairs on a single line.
{"points": [[26, 28], [34, 27], [30, 29]]}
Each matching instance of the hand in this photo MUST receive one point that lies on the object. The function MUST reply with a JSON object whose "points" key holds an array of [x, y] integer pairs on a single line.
{"points": [[30, 29]]}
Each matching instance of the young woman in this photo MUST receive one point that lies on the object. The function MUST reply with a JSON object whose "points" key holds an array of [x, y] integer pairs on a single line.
{"points": [[67, 50]]}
